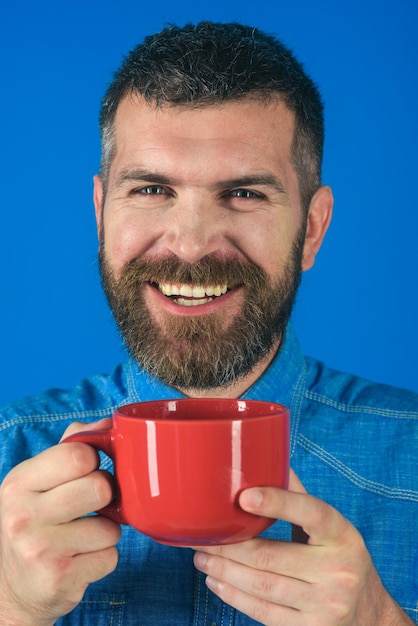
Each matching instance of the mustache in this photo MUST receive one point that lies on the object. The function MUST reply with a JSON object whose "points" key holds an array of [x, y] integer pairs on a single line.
{"points": [[208, 271]]}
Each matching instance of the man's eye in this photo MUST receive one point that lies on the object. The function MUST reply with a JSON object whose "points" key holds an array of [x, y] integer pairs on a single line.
{"points": [[245, 193], [151, 190]]}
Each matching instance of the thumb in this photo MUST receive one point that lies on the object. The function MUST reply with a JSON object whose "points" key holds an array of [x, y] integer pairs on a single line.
{"points": [[295, 484]]}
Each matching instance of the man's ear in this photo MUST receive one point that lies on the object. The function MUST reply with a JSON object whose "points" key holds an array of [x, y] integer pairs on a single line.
{"points": [[98, 203], [319, 218]]}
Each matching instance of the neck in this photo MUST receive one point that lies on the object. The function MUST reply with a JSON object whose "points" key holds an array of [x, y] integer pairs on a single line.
{"points": [[237, 389]]}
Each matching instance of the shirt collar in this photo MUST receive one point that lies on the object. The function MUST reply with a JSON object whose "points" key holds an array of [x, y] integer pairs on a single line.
{"points": [[277, 384], [280, 380]]}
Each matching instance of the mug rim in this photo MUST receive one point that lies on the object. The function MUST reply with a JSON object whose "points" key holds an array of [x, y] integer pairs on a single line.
{"points": [[274, 410]]}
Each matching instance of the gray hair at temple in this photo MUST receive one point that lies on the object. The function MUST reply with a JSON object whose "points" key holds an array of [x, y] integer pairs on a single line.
{"points": [[211, 63]]}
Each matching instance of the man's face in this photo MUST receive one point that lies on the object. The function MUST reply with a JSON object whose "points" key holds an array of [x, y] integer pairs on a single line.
{"points": [[202, 237]]}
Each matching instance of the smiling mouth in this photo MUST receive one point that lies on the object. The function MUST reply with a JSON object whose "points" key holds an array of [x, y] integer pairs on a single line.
{"points": [[192, 295]]}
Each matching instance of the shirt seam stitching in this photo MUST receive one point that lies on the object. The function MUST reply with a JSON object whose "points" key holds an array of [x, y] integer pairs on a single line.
{"points": [[361, 482], [350, 408], [296, 405], [56, 417]]}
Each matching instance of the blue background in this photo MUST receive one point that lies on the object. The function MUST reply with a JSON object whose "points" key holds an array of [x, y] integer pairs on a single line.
{"points": [[357, 309]]}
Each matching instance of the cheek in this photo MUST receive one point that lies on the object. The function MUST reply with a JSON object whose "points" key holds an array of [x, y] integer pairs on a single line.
{"points": [[126, 239], [268, 245]]}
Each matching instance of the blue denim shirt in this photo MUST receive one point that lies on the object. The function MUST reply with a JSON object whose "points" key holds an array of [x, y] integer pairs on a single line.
{"points": [[354, 444]]}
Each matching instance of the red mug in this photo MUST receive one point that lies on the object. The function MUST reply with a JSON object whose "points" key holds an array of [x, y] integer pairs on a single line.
{"points": [[180, 466]]}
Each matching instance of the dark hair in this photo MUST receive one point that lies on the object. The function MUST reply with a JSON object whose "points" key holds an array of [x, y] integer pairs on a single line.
{"points": [[209, 63]]}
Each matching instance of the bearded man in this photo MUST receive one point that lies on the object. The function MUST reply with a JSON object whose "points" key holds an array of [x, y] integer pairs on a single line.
{"points": [[209, 206]]}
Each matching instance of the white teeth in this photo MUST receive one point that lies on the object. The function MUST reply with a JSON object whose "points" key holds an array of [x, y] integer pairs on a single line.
{"points": [[186, 290], [194, 302], [169, 290], [189, 291], [198, 292]]}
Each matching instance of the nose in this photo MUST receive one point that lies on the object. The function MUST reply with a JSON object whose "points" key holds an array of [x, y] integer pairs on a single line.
{"points": [[194, 228]]}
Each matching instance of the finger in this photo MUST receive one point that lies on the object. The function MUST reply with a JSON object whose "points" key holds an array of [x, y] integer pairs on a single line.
{"points": [[324, 524], [54, 544], [87, 535], [91, 567], [265, 585], [295, 484], [293, 560], [53, 467], [75, 498], [262, 611], [78, 427], [298, 534]]}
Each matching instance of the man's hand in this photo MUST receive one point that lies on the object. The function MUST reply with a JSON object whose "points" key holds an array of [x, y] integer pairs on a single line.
{"points": [[329, 581], [49, 552]]}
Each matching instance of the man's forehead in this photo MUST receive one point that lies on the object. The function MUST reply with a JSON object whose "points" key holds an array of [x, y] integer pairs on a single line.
{"points": [[246, 126], [134, 102]]}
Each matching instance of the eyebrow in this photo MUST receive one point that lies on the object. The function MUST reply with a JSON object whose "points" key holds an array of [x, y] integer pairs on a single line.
{"points": [[268, 180], [144, 175]]}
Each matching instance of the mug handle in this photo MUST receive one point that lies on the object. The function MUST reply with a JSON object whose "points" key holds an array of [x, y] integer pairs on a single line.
{"points": [[102, 440]]}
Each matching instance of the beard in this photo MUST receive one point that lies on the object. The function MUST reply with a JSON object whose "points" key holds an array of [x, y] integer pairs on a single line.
{"points": [[202, 352]]}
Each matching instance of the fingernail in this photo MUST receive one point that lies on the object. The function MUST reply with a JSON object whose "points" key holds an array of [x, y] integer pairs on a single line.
{"points": [[200, 560], [213, 584], [251, 498]]}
